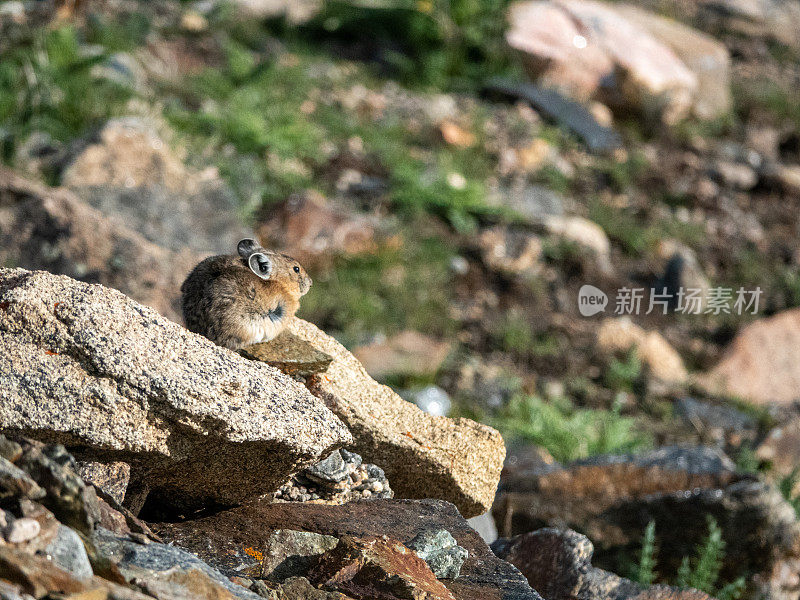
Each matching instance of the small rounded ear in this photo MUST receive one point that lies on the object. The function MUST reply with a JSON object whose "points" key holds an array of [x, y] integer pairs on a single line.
{"points": [[246, 247], [260, 264]]}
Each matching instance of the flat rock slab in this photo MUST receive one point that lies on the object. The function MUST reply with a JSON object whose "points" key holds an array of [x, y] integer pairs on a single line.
{"points": [[424, 456], [86, 366], [229, 537], [290, 354]]}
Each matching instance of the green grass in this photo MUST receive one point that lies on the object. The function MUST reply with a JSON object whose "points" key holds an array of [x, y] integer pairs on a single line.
{"points": [[569, 433], [446, 44], [622, 375], [47, 85], [251, 105], [386, 291], [700, 572]]}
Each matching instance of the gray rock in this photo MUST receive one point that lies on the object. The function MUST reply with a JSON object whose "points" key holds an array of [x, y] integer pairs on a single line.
{"points": [[432, 399], [534, 202], [128, 171], [439, 549], [290, 553], [67, 496], [142, 560], [711, 415], [698, 460], [87, 366], [69, 553], [484, 525], [334, 468]]}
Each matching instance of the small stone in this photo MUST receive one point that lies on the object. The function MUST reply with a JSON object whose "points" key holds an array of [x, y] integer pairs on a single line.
{"points": [[376, 487], [290, 553], [69, 553], [9, 450], [22, 530], [439, 549], [290, 354]]}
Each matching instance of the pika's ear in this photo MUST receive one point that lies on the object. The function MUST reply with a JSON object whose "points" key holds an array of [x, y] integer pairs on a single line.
{"points": [[246, 247], [260, 264]]}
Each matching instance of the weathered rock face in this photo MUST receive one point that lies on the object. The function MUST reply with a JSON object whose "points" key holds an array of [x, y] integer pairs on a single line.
{"points": [[130, 173], [424, 456], [376, 568], [760, 365], [613, 498], [88, 367], [236, 541], [558, 564], [50, 229]]}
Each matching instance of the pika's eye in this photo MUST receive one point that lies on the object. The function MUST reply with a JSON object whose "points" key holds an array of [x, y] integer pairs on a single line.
{"points": [[296, 269]]}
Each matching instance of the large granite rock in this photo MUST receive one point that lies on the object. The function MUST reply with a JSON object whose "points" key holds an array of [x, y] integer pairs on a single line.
{"points": [[423, 456], [236, 541], [51, 229], [613, 498], [86, 366], [558, 563], [761, 363], [129, 172]]}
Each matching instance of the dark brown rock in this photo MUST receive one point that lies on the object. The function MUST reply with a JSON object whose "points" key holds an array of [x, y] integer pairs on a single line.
{"points": [[230, 538], [377, 569], [558, 564], [613, 498]]}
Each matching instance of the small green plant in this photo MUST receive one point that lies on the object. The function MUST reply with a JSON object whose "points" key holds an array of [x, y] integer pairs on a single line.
{"points": [[645, 572], [623, 374], [47, 84], [787, 486], [700, 572], [566, 432]]}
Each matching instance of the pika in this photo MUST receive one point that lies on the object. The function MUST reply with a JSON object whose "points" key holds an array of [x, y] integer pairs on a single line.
{"points": [[240, 300]]}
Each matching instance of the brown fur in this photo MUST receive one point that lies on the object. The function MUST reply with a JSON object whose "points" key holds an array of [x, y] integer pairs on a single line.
{"points": [[228, 303]]}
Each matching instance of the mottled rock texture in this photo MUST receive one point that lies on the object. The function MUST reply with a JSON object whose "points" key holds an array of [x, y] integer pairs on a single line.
{"points": [[230, 539], [86, 366], [423, 456]]}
